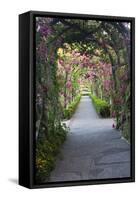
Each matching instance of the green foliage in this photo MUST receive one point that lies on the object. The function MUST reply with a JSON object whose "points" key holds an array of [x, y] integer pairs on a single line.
{"points": [[101, 106], [69, 111], [85, 94], [46, 151], [126, 129]]}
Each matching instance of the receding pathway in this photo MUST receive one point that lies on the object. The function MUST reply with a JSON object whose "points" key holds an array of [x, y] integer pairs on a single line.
{"points": [[93, 149]]}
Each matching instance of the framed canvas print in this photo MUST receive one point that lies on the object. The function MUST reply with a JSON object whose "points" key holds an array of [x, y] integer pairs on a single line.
{"points": [[76, 99]]}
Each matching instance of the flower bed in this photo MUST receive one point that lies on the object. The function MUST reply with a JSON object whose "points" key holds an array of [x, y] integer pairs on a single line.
{"points": [[46, 151]]}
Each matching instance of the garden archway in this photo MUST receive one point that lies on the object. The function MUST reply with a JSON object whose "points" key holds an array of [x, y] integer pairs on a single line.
{"points": [[74, 52]]}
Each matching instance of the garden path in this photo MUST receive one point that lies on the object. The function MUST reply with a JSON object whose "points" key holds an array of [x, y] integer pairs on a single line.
{"points": [[93, 149]]}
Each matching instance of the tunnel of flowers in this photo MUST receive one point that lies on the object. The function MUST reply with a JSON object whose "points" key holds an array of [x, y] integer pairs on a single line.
{"points": [[77, 57]]}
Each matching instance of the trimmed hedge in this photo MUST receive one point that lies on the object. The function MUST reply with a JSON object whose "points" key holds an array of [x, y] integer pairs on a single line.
{"points": [[46, 151], [101, 106], [69, 111]]}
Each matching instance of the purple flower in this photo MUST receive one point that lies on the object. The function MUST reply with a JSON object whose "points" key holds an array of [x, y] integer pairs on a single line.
{"points": [[45, 31], [68, 84]]}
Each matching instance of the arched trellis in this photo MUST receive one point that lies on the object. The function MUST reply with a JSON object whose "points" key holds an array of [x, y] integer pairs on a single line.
{"points": [[89, 35], [117, 33], [109, 37]]}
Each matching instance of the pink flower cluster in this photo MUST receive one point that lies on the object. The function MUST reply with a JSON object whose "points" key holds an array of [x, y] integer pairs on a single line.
{"points": [[68, 84], [107, 84], [67, 68], [122, 89], [43, 26], [118, 101]]}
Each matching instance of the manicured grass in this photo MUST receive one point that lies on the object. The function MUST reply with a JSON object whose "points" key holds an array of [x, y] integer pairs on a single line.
{"points": [[69, 111], [101, 106]]}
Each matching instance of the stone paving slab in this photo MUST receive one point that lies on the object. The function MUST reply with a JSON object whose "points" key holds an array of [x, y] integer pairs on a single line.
{"points": [[93, 149], [119, 170]]}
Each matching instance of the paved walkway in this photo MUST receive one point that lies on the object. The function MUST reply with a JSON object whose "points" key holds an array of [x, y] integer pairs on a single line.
{"points": [[93, 149]]}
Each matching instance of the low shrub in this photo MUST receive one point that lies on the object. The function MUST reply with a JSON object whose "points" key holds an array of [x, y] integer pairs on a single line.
{"points": [[69, 111], [46, 151], [85, 94], [126, 130], [101, 106]]}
